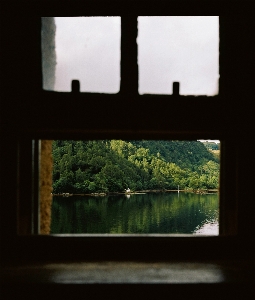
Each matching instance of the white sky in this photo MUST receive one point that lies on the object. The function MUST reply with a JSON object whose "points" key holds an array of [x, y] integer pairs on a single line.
{"points": [[88, 49], [183, 49], [215, 141]]}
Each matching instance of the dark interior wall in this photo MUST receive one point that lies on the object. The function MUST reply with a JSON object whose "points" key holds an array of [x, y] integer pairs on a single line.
{"points": [[20, 78], [27, 112], [238, 68]]}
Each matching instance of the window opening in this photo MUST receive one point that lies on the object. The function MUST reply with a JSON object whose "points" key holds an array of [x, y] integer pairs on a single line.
{"points": [[81, 48], [134, 187], [88, 173], [182, 49]]}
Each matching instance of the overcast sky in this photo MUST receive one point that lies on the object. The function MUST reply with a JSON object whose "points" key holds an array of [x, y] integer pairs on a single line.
{"points": [[183, 49], [215, 141]]}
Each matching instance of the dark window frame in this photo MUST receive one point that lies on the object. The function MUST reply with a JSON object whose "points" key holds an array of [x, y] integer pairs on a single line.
{"points": [[97, 126], [128, 88]]}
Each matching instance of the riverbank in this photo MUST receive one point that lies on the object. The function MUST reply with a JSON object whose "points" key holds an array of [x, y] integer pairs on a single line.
{"points": [[198, 191]]}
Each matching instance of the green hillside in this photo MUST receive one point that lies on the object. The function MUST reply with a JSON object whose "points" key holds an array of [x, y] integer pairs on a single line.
{"points": [[186, 154], [212, 145], [115, 165]]}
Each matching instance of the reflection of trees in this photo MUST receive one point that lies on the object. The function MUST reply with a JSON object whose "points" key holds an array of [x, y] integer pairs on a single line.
{"points": [[148, 213]]}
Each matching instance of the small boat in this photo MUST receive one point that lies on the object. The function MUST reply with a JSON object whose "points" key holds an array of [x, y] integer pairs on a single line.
{"points": [[67, 194], [127, 191]]}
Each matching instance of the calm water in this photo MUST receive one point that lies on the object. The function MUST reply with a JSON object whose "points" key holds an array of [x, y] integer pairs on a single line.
{"points": [[141, 213]]}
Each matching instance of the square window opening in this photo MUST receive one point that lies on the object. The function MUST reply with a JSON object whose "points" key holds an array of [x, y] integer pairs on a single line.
{"points": [[129, 187], [81, 49], [83, 53], [182, 49]]}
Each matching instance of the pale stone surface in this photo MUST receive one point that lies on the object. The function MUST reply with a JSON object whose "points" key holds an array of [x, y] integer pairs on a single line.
{"points": [[133, 272], [45, 186]]}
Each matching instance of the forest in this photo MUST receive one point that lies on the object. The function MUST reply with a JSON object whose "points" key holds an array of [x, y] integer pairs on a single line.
{"points": [[103, 166]]}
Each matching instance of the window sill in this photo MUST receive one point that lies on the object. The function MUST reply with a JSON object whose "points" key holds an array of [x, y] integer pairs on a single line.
{"points": [[113, 272], [123, 279]]}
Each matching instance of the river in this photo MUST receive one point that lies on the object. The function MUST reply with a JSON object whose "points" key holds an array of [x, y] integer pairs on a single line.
{"points": [[166, 213]]}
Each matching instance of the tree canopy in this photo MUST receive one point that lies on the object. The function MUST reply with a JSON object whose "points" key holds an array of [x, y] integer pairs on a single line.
{"points": [[115, 165]]}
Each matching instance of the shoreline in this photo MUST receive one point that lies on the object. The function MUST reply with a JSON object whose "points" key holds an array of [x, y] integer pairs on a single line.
{"points": [[199, 191]]}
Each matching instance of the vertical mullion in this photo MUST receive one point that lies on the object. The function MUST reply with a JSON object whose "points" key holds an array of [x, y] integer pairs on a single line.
{"points": [[129, 67]]}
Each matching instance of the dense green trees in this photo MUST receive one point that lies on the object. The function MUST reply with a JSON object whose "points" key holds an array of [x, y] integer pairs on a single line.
{"points": [[114, 165], [212, 145]]}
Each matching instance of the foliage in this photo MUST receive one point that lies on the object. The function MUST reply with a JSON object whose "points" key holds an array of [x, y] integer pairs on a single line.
{"points": [[115, 165], [212, 145]]}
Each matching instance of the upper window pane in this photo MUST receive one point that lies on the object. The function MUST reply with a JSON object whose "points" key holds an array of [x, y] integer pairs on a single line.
{"points": [[87, 49], [182, 49]]}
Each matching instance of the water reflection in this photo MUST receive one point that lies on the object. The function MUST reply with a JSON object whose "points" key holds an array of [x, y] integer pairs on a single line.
{"points": [[141, 213], [208, 228]]}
